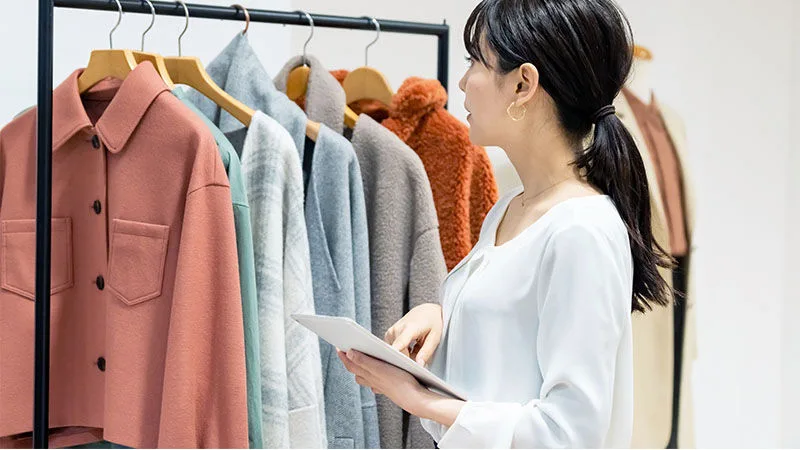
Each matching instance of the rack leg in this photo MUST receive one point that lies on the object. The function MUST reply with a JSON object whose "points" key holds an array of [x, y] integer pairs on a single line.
{"points": [[44, 179], [679, 284], [443, 66]]}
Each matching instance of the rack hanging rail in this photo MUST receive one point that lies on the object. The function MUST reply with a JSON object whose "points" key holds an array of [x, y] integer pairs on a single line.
{"points": [[44, 147], [442, 31]]}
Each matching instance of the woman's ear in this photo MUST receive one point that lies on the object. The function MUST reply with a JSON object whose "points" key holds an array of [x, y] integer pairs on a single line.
{"points": [[526, 79]]}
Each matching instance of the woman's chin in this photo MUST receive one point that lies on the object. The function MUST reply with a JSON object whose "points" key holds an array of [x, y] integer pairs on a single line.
{"points": [[476, 137]]}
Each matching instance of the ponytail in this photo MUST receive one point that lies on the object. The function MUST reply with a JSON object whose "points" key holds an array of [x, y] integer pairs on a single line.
{"points": [[612, 163]]}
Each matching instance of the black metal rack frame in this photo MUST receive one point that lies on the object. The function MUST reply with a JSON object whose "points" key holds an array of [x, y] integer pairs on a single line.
{"points": [[44, 170]]}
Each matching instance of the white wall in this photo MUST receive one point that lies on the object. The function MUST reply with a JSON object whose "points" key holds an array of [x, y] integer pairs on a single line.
{"points": [[731, 86], [731, 79], [77, 32], [398, 56], [791, 332]]}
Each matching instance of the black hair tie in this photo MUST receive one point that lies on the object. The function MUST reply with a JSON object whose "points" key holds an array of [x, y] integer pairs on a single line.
{"points": [[602, 112]]}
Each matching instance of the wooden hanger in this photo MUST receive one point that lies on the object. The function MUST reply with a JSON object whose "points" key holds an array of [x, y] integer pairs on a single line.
{"points": [[107, 63], [643, 53], [159, 64], [312, 130], [297, 83], [156, 59], [350, 117], [367, 83], [189, 70], [297, 86]]}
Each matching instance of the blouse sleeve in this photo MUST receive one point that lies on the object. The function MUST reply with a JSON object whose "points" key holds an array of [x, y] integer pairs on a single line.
{"points": [[583, 290]]}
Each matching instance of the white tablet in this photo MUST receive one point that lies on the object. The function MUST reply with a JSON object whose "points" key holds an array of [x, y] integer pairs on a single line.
{"points": [[345, 334]]}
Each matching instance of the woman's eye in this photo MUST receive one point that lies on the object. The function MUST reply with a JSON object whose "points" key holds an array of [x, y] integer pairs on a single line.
{"points": [[468, 60]]}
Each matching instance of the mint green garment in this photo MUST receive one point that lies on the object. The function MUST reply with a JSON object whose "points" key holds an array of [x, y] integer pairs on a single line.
{"points": [[247, 274]]}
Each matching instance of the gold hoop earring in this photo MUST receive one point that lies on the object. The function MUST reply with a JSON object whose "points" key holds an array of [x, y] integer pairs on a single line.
{"points": [[516, 117]]}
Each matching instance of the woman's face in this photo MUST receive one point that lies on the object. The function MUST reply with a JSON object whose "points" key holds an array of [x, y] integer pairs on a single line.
{"points": [[487, 99]]}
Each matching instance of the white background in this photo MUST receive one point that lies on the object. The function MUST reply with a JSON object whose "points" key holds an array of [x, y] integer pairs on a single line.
{"points": [[730, 66]]}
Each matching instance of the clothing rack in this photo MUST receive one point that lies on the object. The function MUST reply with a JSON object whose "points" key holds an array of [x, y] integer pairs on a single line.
{"points": [[680, 284], [44, 169]]}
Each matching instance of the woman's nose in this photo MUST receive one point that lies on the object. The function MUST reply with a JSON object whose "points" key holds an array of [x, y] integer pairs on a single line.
{"points": [[462, 83]]}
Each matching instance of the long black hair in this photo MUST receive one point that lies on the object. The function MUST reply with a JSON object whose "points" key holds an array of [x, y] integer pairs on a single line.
{"points": [[583, 50]]}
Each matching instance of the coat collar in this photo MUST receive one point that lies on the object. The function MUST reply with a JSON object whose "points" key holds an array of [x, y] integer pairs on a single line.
{"points": [[676, 133], [239, 72], [325, 98], [129, 101]]}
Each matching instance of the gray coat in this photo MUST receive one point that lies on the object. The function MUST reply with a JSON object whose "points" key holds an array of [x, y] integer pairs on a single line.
{"points": [[238, 71], [337, 231], [407, 266], [323, 98]]}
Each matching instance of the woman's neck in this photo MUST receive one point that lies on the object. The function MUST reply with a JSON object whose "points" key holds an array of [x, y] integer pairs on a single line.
{"points": [[640, 81], [542, 159]]}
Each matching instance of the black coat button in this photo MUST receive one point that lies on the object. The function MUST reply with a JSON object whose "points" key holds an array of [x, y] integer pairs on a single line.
{"points": [[97, 207], [101, 364], [101, 282], [95, 141]]}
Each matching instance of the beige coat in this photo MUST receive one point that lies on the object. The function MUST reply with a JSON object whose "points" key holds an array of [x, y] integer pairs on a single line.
{"points": [[653, 333]]}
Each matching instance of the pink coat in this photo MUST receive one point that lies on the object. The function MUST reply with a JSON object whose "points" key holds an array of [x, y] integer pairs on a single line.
{"points": [[146, 331]]}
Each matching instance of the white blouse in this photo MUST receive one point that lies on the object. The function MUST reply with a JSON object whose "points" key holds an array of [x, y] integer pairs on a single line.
{"points": [[537, 333]]}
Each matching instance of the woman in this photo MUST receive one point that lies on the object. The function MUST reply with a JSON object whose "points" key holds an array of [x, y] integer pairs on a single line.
{"points": [[535, 323]]}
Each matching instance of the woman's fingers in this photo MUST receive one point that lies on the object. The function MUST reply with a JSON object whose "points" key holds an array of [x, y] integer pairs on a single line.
{"points": [[365, 363], [348, 364], [342, 358], [404, 340], [358, 363], [394, 331], [355, 367], [428, 347], [390, 335], [416, 349]]}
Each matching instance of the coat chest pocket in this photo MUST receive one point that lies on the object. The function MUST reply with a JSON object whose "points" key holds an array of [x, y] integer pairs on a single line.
{"points": [[136, 261], [18, 256]]}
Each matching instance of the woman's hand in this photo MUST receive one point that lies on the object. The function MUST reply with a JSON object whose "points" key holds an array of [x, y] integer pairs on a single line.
{"points": [[401, 388], [396, 384], [422, 324]]}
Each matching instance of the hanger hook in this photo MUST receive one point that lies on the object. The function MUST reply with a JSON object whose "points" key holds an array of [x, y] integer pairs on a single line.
{"points": [[119, 20], [246, 16], [378, 36], [185, 27], [305, 46], [152, 20]]}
